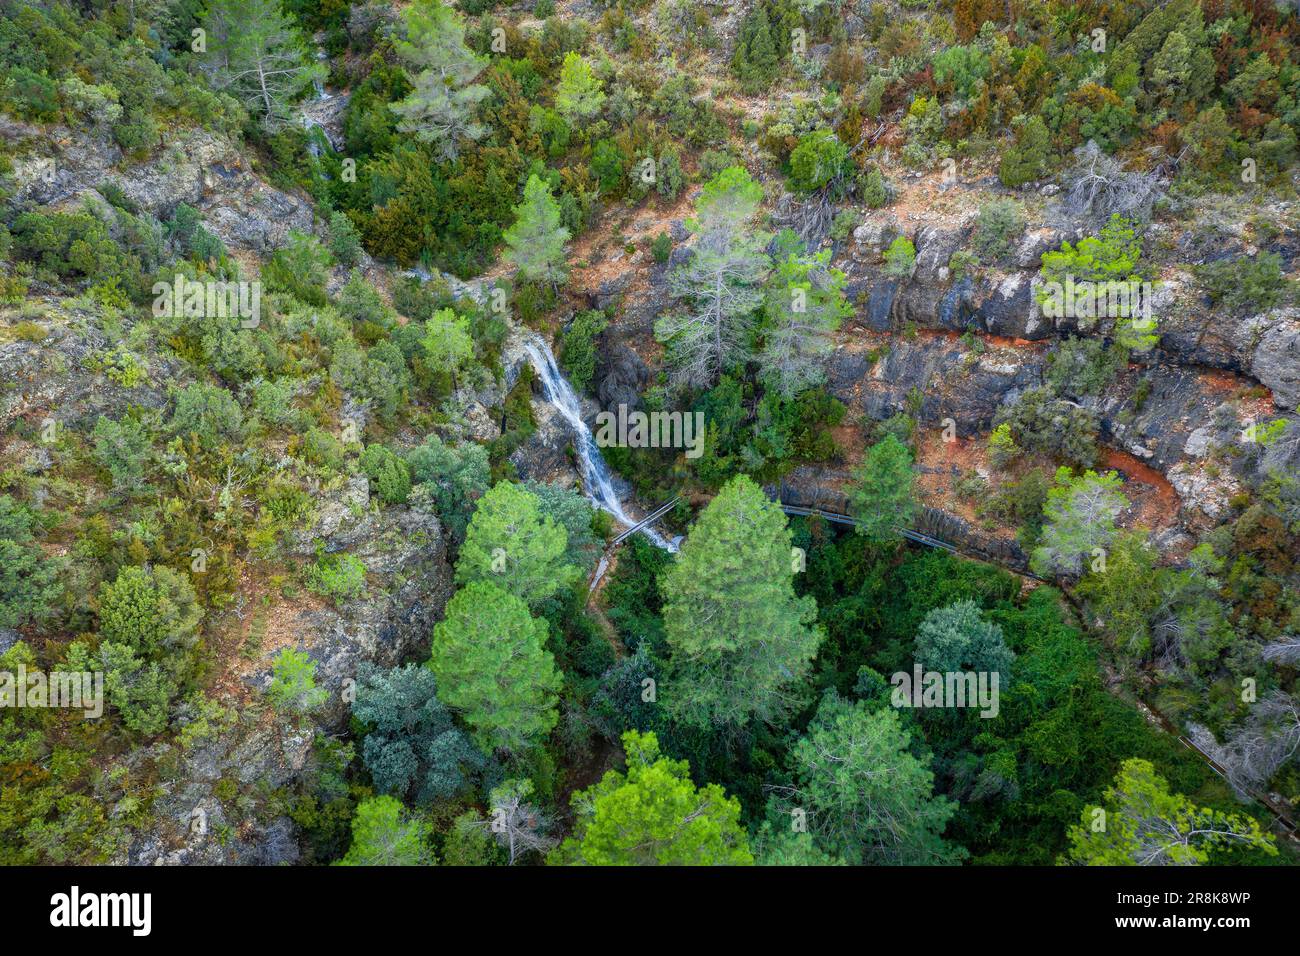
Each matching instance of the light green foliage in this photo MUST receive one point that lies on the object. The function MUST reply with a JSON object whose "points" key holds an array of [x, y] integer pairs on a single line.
{"points": [[900, 258], [962, 69], [447, 343], [741, 641], [819, 158], [720, 285], [571, 511], [28, 579], [384, 833], [293, 683], [535, 243], [256, 54], [804, 307], [779, 845], [389, 474], [1081, 515], [339, 577], [1002, 446], [488, 657], [153, 611], [868, 799], [653, 815], [469, 843], [1142, 824], [512, 544], [441, 108], [578, 96], [882, 498], [1114, 254], [958, 638]]}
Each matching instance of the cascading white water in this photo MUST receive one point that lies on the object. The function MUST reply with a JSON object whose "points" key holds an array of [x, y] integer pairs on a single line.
{"points": [[596, 479]]}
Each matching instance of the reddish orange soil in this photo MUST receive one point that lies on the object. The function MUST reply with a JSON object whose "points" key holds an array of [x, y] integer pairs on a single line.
{"points": [[1153, 501]]}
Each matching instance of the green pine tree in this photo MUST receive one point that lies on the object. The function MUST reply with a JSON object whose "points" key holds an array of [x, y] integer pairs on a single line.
{"points": [[513, 545], [653, 815], [535, 243], [490, 662], [882, 498], [741, 641]]}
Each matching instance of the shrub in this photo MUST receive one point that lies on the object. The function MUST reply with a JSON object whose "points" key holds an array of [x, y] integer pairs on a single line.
{"points": [[872, 96], [900, 258], [1245, 284], [1003, 449], [455, 477], [338, 577], [28, 580], [136, 132], [1027, 159], [1042, 423], [1080, 367], [875, 191], [1000, 222], [191, 237], [67, 244], [273, 402], [322, 449], [661, 247], [208, 413], [122, 449], [819, 158], [846, 220], [293, 684], [344, 240], [609, 164], [389, 475], [299, 269], [152, 611]]}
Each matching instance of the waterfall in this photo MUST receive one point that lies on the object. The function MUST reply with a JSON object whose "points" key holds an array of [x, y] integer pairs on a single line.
{"points": [[596, 479]]}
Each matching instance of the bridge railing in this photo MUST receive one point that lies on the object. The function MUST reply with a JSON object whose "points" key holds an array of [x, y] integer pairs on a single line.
{"points": [[652, 517]]}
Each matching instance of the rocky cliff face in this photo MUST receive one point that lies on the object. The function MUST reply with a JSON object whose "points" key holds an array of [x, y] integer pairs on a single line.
{"points": [[221, 798], [253, 753], [58, 167], [968, 347]]}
